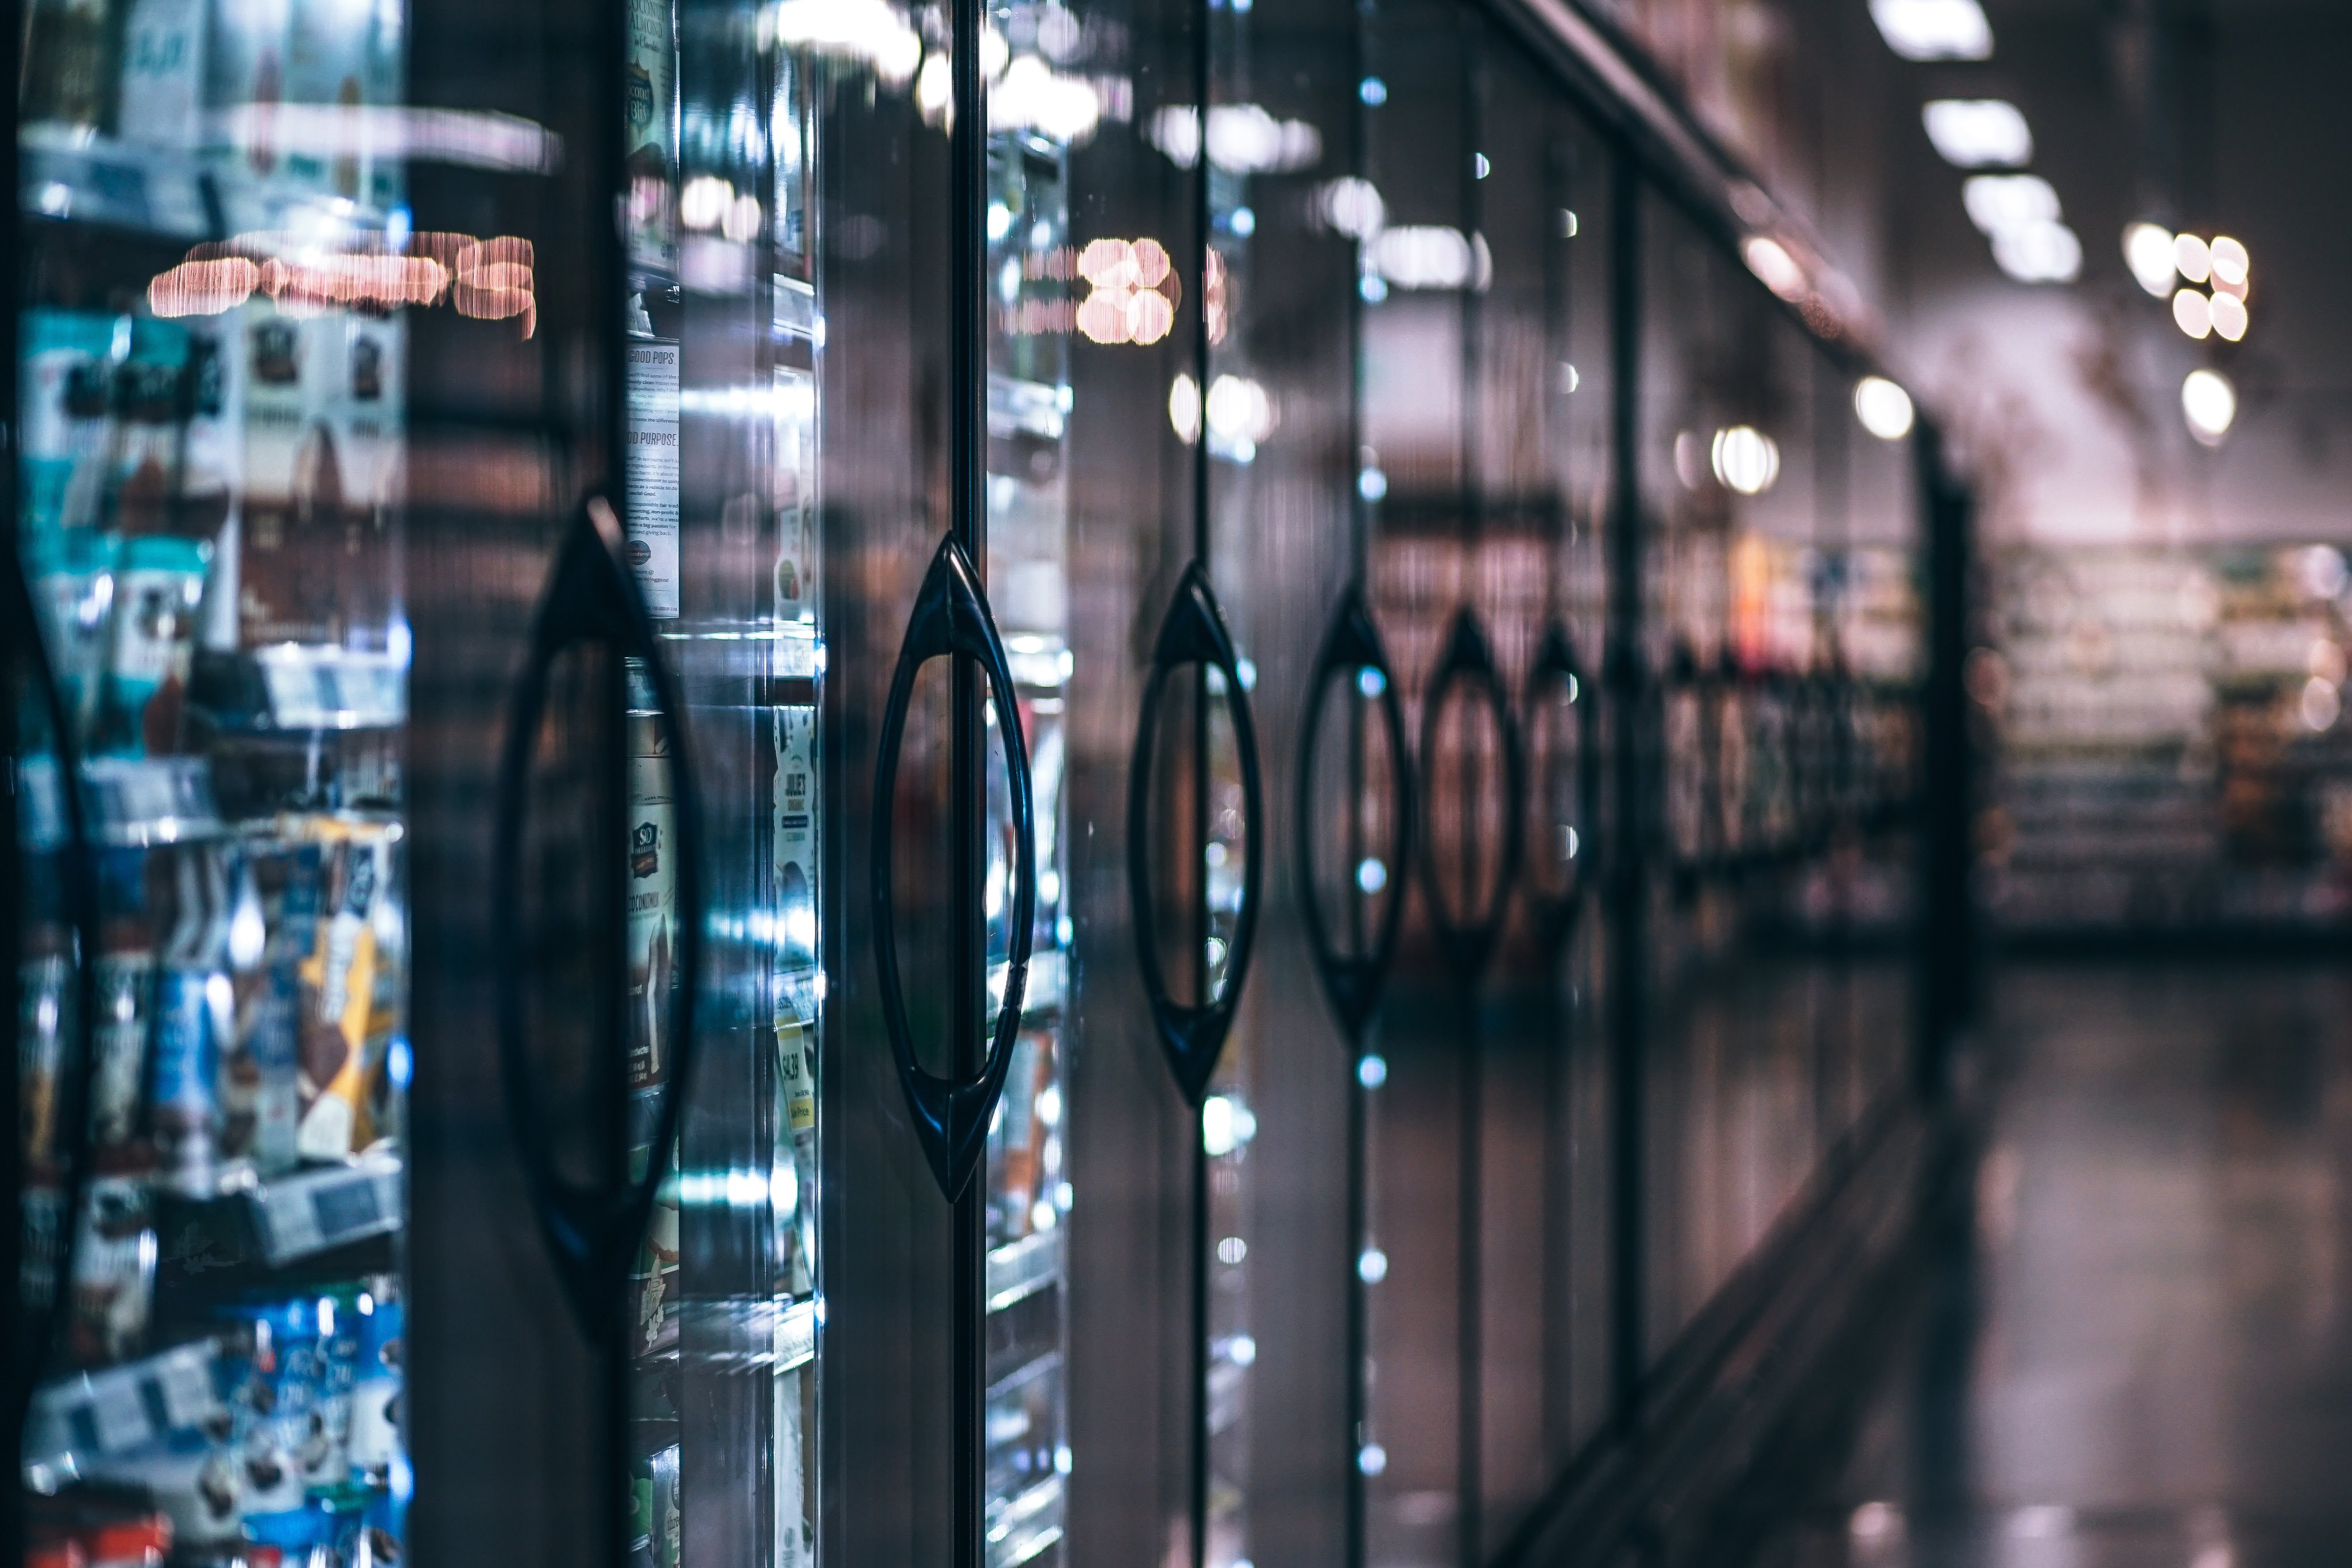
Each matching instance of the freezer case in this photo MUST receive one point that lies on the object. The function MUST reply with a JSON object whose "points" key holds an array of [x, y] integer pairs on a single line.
{"points": [[214, 276]]}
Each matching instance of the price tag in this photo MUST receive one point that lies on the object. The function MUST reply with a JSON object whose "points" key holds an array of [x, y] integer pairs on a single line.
{"points": [[118, 1412], [185, 1380]]}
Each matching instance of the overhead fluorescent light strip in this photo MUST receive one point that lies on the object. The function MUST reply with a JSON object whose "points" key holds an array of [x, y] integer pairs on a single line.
{"points": [[1979, 132], [1933, 29]]}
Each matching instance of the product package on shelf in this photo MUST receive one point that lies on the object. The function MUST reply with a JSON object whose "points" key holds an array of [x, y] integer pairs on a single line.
{"points": [[281, 1436], [350, 989]]}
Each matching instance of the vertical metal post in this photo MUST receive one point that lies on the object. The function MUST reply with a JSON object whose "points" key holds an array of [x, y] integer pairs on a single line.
{"points": [[1626, 879], [1947, 924], [968, 807], [12, 888], [1197, 880], [1356, 1485], [1470, 1078], [609, 1046]]}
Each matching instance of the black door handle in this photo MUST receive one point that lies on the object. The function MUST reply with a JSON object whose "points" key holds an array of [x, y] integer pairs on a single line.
{"points": [[1469, 937], [40, 1317], [1556, 662], [592, 1230], [1352, 650], [1193, 633], [951, 619]]}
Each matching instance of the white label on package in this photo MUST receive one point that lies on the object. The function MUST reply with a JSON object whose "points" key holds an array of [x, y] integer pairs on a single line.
{"points": [[653, 473]]}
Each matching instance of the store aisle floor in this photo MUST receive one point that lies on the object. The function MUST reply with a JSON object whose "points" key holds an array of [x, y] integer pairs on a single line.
{"points": [[2138, 1352]]}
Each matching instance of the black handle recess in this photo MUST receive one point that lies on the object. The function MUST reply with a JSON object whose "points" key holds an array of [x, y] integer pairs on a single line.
{"points": [[1351, 649], [1469, 937], [593, 1232], [951, 619], [40, 1321], [1193, 633], [1556, 661]]}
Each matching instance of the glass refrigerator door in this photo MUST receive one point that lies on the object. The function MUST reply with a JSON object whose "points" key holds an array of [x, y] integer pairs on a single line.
{"points": [[723, 322], [214, 274]]}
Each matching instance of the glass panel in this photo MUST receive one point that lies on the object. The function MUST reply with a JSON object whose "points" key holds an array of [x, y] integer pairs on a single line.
{"points": [[1744, 476], [1031, 258], [1876, 631], [1581, 387], [724, 326], [1421, 265], [1282, 103], [216, 273]]}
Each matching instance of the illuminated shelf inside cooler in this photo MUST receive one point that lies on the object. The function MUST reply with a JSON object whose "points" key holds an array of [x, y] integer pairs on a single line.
{"points": [[1019, 1269], [1039, 662], [154, 189], [131, 802], [298, 686], [1027, 1522], [283, 1219], [1226, 1382], [1017, 407], [187, 193], [796, 312], [795, 1335], [1048, 975], [297, 1215], [134, 801], [96, 1415]]}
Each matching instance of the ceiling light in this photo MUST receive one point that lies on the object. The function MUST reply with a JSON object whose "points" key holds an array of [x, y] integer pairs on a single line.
{"points": [[1933, 29], [2211, 404], [1430, 255], [2147, 251], [2229, 318], [1352, 206], [1884, 408], [2231, 262], [2193, 312], [1745, 459], [2046, 252], [2194, 260], [2000, 202], [1979, 132]]}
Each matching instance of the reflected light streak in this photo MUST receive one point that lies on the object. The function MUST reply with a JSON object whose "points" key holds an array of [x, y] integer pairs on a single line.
{"points": [[1884, 408], [2210, 406], [490, 279], [2193, 258], [2229, 318], [2147, 251], [2231, 264], [2193, 313], [1133, 291]]}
